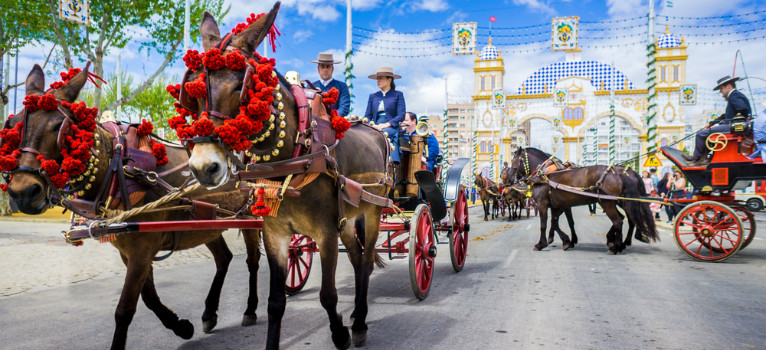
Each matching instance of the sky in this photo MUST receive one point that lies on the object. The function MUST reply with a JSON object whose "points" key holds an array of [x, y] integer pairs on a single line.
{"points": [[387, 33]]}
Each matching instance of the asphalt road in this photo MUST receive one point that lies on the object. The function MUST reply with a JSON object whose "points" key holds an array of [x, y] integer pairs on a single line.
{"points": [[507, 297]]}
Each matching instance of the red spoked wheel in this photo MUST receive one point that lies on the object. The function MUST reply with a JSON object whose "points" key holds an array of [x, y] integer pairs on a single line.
{"points": [[711, 231], [748, 224], [458, 238], [422, 251], [299, 259]]}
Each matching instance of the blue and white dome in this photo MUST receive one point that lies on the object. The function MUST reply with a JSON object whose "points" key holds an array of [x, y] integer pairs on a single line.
{"points": [[489, 52], [598, 73], [668, 40]]}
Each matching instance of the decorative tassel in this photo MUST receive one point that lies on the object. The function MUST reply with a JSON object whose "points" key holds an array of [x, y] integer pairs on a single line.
{"points": [[108, 238], [260, 208]]}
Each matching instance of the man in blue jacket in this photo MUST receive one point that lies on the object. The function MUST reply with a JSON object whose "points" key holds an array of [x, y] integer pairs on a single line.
{"points": [[325, 68], [737, 104], [431, 153]]}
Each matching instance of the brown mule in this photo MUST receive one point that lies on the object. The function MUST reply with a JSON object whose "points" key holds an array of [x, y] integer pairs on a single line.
{"points": [[489, 193], [316, 210], [32, 193]]}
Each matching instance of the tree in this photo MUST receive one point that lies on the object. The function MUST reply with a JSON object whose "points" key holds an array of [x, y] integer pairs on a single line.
{"points": [[155, 25], [19, 26]]}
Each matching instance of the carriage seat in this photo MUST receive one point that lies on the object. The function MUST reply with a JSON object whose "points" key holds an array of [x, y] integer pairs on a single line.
{"points": [[677, 156]]}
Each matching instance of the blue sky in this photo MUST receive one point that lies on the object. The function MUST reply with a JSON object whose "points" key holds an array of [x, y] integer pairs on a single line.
{"points": [[311, 26]]}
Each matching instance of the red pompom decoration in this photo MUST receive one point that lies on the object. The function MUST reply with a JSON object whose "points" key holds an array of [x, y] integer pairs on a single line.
{"points": [[197, 87], [329, 98], [47, 102], [174, 90], [193, 60], [235, 61], [145, 128], [73, 166], [213, 60], [203, 126], [160, 153], [260, 208], [31, 103]]}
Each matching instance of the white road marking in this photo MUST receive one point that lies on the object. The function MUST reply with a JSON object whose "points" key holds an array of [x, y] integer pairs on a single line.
{"points": [[510, 258]]}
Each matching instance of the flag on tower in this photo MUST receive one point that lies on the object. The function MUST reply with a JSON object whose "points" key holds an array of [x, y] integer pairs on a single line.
{"points": [[492, 19]]}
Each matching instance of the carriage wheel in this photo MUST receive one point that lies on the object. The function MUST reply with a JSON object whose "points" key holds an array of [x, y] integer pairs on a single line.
{"points": [[711, 231], [458, 238], [422, 251], [748, 224], [299, 258]]}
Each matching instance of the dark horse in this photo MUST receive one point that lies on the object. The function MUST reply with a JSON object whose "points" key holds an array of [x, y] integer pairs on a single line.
{"points": [[489, 193], [317, 210], [595, 179], [514, 194], [31, 190]]}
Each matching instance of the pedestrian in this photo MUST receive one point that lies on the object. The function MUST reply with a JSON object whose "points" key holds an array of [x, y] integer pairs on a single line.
{"points": [[662, 192], [386, 108], [325, 66], [648, 182], [655, 178], [592, 209], [676, 187]]}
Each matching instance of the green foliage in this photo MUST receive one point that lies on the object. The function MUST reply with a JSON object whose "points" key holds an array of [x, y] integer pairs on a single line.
{"points": [[20, 23]]}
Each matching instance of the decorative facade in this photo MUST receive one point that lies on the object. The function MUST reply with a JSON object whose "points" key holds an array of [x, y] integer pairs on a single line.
{"points": [[565, 108]]}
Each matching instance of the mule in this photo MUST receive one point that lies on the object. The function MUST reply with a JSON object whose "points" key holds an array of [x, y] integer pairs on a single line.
{"points": [[317, 209], [489, 193], [32, 191], [514, 195]]}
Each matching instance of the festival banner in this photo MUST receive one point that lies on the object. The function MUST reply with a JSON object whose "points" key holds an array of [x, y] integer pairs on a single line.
{"points": [[464, 38], [498, 99], [560, 97], [76, 11], [688, 95], [564, 33]]}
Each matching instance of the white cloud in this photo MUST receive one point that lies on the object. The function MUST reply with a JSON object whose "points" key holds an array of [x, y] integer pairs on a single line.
{"points": [[430, 5], [363, 4], [626, 8], [536, 6], [301, 35]]}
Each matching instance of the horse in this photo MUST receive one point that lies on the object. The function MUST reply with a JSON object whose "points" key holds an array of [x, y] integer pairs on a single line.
{"points": [[33, 191], [595, 178], [513, 194], [489, 193], [318, 209]]}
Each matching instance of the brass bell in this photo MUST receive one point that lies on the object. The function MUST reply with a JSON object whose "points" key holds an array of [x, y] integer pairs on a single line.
{"points": [[275, 152], [257, 158], [81, 193], [280, 106], [95, 171], [91, 179], [280, 143], [271, 126], [282, 134], [266, 134], [282, 124], [266, 157], [276, 88], [279, 96], [87, 173], [281, 115], [247, 153], [271, 118], [88, 186]]}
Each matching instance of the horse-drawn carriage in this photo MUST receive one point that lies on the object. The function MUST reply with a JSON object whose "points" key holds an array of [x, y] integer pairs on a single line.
{"points": [[714, 225]]}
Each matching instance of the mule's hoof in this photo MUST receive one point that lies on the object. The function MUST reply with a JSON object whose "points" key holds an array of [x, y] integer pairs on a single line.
{"points": [[184, 329], [207, 326], [567, 246], [485, 218], [358, 338], [642, 238], [611, 252], [249, 320], [539, 247], [550, 240], [341, 339], [610, 245]]}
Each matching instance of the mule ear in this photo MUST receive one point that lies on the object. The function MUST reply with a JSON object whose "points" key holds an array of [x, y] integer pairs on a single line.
{"points": [[35, 80], [252, 36], [209, 31], [71, 90]]}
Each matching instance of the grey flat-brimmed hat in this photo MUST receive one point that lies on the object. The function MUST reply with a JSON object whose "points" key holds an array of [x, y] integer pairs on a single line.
{"points": [[325, 58], [725, 80], [385, 72]]}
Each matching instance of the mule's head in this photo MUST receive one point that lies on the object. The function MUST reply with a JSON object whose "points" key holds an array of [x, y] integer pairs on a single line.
{"points": [[478, 180], [516, 164], [42, 132], [210, 160]]}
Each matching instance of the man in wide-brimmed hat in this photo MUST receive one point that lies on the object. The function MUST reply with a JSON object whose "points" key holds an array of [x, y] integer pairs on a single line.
{"points": [[325, 67], [737, 104]]}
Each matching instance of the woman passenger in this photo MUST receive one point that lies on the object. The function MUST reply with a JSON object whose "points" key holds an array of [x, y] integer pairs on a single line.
{"points": [[386, 108]]}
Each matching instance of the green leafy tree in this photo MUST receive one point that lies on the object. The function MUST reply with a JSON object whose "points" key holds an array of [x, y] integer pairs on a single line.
{"points": [[156, 26]]}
